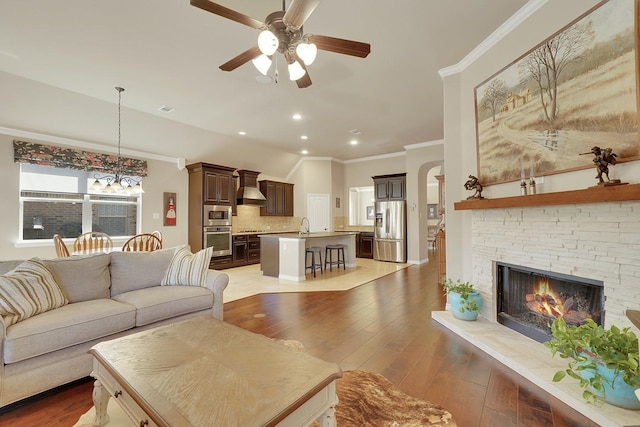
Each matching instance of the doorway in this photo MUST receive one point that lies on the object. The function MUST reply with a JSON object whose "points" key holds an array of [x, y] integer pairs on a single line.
{"points": [[318, 212]]}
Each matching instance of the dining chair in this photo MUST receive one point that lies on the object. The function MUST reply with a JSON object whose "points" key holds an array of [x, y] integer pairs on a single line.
{"points": [[61, 248], [144, 242], [158, 234], [92, 241]]}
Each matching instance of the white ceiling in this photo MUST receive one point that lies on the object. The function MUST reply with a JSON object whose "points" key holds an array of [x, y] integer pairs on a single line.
{"points": [[167, 52]]}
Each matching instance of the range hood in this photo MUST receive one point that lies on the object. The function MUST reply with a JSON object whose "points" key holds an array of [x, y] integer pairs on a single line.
{"points": [[248, 193]]}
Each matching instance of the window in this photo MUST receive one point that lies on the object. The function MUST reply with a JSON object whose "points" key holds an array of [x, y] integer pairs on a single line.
{"points": [[59, 201]]}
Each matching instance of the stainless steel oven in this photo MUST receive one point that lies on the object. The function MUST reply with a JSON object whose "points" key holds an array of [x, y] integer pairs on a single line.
{"points": [[218, 237], [216, 215]]}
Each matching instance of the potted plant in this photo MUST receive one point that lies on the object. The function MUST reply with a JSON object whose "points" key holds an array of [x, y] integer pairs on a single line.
{"points": [[605, 361], [465, 302]]}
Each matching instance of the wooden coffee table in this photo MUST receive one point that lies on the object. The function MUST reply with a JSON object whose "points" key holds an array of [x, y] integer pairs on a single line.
{"points": [[204, 372]]}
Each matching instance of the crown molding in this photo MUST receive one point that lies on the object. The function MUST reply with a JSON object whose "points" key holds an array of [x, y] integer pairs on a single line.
{"points": [[382, 156], [424, 144], [502, 31]]}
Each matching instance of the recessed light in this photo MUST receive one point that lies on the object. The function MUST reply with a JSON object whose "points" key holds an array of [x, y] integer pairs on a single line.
{"points": [[355, 132], [296, 116], [166, 109], [242, 132], [304, 152], [304, 137], [354, 142]]}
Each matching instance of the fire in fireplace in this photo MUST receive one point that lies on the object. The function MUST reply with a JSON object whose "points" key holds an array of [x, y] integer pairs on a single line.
{"points": [[528, 300]]}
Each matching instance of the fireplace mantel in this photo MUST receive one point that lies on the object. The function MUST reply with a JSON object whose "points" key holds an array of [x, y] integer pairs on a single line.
{"points": [[599, 194]]}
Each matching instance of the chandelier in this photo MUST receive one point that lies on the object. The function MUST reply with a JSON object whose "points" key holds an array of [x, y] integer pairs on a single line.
{"points": [[289, 41], [117, 182]]}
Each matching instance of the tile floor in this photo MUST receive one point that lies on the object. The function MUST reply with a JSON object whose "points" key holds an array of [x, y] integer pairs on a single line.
{"points": [[248, 280]]}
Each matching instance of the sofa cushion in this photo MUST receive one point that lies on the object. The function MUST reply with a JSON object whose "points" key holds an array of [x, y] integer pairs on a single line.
{"points": [[7, 266], [164, 302], [28, 290], [66, 326], [137, 270], [73, 273], [188, 269]]}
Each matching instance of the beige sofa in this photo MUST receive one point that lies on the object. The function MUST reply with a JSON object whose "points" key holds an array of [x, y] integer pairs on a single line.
{"points": [[109, 295]]}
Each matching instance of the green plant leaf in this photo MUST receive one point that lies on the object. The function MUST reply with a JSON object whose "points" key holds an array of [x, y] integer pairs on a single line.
{"points": [[559, 376]]}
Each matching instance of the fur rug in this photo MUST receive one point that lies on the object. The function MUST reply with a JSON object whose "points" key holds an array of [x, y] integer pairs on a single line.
{"points": [[368, 399]]}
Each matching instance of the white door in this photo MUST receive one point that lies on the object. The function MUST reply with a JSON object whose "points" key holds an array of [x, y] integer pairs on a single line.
{"points": [[318, 212]]}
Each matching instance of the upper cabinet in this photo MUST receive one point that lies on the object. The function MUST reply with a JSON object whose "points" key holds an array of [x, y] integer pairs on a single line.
{"points": [[279, 198], [389, 187], [211, 184], [219, 187]]}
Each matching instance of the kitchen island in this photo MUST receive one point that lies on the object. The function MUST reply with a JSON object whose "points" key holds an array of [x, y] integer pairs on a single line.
{"points": [[282, 255]]}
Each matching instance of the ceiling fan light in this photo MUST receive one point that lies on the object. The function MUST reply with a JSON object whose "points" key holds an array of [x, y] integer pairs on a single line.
{"points": [[296, 71], [262, 63], [267, 42], [307, 52]]}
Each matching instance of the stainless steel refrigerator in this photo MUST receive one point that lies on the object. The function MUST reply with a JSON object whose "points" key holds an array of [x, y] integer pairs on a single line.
{"points": [[390, 240]]}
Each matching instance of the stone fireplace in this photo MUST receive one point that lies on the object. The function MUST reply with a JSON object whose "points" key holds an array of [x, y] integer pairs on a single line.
{"points": [[591, 238], [599, 242], [528, 300]]}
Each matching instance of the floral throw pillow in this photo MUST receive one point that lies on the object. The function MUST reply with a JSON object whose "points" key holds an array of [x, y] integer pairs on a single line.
{"points": [[188, 269]]}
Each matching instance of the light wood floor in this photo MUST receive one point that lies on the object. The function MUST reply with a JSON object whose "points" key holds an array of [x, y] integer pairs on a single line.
{"points": [[383, 326]]}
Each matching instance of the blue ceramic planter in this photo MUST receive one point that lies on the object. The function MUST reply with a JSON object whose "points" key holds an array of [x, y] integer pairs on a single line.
{"points": [[457, 307], [616, 391]]}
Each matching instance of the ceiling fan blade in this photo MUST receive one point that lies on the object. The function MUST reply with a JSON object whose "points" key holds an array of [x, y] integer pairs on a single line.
{"points": [[299, 11], [241, 59], [346, 47], [220, 10], [304, 81]]}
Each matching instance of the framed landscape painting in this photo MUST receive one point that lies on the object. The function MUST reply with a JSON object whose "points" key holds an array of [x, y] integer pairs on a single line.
{"points": [[577, 90]]}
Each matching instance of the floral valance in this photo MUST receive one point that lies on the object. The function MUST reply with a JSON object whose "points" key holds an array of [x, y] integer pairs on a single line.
{"points": [[68, 158]]}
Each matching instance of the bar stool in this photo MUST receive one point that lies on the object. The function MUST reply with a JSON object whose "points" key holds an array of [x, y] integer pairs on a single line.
{"points": [[313, 250], [328, 256]]}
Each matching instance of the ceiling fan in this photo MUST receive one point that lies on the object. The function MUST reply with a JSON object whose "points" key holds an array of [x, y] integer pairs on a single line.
{"points": [[282, 32]]}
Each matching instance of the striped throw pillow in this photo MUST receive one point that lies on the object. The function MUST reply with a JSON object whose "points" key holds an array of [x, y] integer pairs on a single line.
{"points": [[28, 290], [188, 269]]}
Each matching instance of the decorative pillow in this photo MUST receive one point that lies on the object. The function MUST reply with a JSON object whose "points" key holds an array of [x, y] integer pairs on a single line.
{"points": [[28, 290], [131, 271], [187, 268], [82, 277]]}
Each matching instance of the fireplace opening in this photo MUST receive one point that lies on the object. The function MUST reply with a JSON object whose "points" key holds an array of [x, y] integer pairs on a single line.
{"points": [[529, 300]]}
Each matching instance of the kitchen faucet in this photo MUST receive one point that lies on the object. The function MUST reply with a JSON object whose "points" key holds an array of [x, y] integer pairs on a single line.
{"points": [[302, 225]]}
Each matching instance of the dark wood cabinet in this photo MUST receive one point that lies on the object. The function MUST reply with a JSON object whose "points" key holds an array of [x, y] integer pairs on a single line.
{"points": [[219, 188], [246, 250], [234, 206], [279, 198], [389, 187], [240, 251], [253, 252], [366, 245], [208, 184], [221, 262]]}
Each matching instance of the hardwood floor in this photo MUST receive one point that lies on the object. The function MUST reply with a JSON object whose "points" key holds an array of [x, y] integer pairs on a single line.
{"points": [[383, 326]]}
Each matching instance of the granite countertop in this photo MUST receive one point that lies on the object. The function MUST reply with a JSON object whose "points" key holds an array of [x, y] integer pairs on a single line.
{"points": [[254, 232], [310, 235]]}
